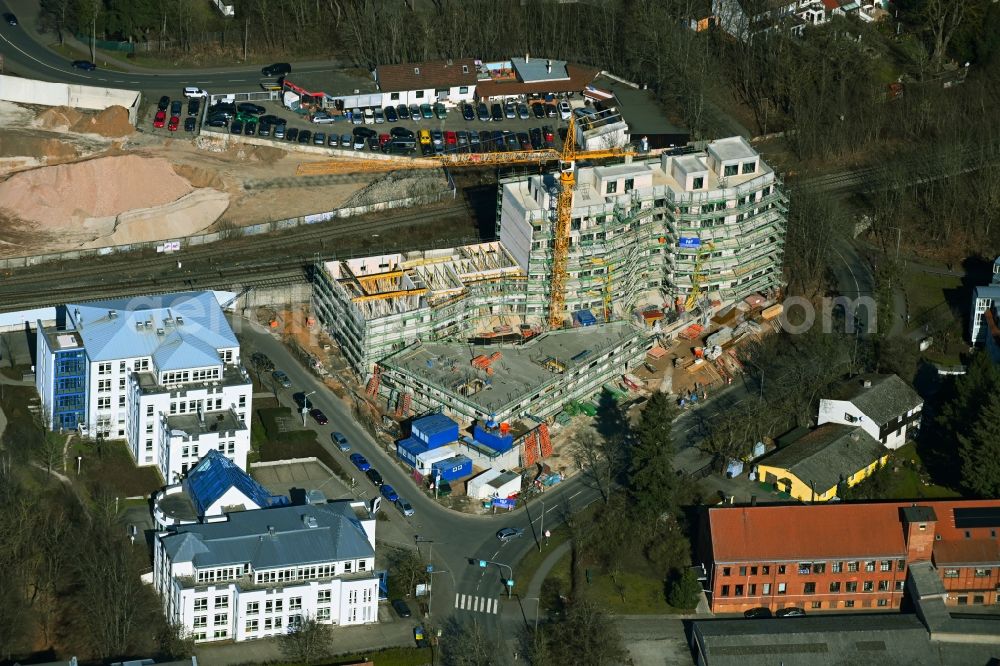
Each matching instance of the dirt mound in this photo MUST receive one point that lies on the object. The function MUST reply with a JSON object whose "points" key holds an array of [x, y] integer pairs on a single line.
{"points": [[199, 177], [111, 122], [59, 197], [59, 117]]}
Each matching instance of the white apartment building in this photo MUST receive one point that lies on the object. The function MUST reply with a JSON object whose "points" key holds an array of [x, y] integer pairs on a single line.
{"points": [[253, 574], [162, 372]]}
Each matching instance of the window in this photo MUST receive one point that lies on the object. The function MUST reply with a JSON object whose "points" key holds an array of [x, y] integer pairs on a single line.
{"points": [[463, 90], [765, 589], [765, 570], [781, 588], [869, 586], [323, 614], [804, 568], [323, 597], [883, 602], [730, 170], [977, 599], [362, 564], [849, 603], [221, 618], [294, 604], [698, 183], [394, 97], [200, 621], [900, 565], [753, 571], [883, 586], [870, 565], [220, 633], [725, 571], [104, 369], [962, 601], [104, 385], [837, 567], [781, 569], [899, 585], [253, 608], [752, 592], [222, 602], [819, 567], [347, 567], [743, 571], [852, 567], [201, 604], [817, 604], [149, 410], [982, 573], [121, 403], [612, 187], [885, 565], [629, 184], [850, 586], [419, 94], [951, 573], [252, 625], [835, 587], [809, 588], [749, 167]]}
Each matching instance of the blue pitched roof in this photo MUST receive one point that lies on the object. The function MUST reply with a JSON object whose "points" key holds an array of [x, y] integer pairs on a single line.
{"points": [[215, 474], [269, 538], [109, 337]]}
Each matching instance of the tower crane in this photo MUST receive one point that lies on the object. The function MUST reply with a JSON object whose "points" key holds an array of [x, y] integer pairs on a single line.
{"points": [[696, 277], [566, 158]]}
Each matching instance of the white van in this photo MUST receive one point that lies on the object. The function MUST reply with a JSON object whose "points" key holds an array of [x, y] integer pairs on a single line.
{"points": [[193, 91]]}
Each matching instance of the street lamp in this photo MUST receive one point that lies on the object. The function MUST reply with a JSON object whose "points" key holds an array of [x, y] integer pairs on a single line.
{"points": [[417, 539], [510, 577], [305, 406]]}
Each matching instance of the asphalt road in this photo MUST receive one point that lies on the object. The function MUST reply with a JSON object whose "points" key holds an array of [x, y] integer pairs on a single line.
{"points": [[25, 54], [454, 538]]}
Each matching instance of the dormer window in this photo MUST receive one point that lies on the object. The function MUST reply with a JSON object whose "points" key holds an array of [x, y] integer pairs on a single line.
{"points": [[465, 69], [416, 70], [698, 183], [730, 170]]}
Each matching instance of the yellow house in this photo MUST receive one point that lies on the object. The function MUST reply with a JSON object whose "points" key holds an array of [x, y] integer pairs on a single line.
{"points": [[812, 467]]}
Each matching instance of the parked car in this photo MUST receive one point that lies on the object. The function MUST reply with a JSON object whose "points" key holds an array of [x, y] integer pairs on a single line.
{"points": [[251, 108], [194, 106], [323, 118], [357, 116], [400, 146], [390, 115], [292, 134], [333, 141], [401, 133], [340, 441], [163, 104], [85, 65], [389, 492], [441, 111], [264, 130], [174, 123], [379, 115], [236, 127], [425, 137], [535, 134], [486, 141], [402, 610], [496, 112], [160, 118], [790, 612], [318, 416], [10, 18], [250, 128], [565, 110], [360, 462], [176, 107], [319, 139], [522, 111], [403, 112], [279, 130], [524, 141], [415, 112], [369, 116], [194, 92], [426, 112], [483, 112], [450, 139], [497, 142], [345, 141], [277, 69], [426, 149], [246, 117], [375, 477], [551, 111], [404, 507], [759, 613], [510, 140], [437, 138], [190, 124], [508, 533], [468, 112], [374, 144], [216, 122], [548, 136], [271, 119], [475, 145], [538, 110], [510, 110], [463, 140]]}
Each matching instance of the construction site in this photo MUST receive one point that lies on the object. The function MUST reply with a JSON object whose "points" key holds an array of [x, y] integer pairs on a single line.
{"points": [[623, 278]]}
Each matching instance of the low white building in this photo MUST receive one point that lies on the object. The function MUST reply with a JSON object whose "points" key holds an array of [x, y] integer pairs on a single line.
{"points": [[884, 406], [452, 81], [494, 483], [161, 371], [253, 574]]}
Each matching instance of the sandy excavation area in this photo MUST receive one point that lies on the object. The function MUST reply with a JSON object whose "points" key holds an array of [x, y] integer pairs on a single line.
{"points": [[72, 179]]}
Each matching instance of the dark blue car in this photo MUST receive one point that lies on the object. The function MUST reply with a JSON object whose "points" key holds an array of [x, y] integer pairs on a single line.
{"points": [[360, 462], [84, 65], [389, 493]]}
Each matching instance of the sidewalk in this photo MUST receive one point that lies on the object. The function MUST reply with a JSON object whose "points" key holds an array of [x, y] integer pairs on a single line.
{"points": [[550, 561]]}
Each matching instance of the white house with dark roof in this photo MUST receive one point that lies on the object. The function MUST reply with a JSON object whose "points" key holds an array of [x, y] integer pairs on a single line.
{"points": [[452, 81], [161, 371], [884, 406], [253, 574]]}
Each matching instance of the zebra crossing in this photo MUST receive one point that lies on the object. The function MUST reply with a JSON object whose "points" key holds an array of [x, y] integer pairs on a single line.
{"points": [[476, 604]]}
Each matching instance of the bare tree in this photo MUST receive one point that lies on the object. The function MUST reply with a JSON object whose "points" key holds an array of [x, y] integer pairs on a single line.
{"points": [[600, 459], [306, 642]]}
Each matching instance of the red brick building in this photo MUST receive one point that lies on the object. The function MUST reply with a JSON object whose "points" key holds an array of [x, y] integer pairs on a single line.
{"points": [[849, 556]]}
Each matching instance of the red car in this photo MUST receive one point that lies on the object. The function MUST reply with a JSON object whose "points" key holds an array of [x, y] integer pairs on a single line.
{"points": [[450, 138], [161, 117], [174, 122], [383, 139]]}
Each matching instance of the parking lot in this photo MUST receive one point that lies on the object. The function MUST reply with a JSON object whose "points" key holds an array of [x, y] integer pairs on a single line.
{"points": [[376, 134]]}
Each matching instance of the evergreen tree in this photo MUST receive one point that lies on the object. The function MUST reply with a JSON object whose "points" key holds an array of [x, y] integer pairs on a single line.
{"points": [[980, 451], [684, 590], [652, 479]]}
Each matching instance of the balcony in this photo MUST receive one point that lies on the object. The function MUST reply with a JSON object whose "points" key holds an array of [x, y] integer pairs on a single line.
{"points": [[232, 375]]}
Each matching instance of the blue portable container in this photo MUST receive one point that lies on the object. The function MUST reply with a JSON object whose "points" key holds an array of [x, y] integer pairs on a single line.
{"points": [[408, 449], [452, 468], [493, 439], [435, 430], [584, 318]]}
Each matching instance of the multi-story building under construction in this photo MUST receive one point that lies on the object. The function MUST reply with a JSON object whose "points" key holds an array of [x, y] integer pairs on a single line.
{"points": [[677, 232]]}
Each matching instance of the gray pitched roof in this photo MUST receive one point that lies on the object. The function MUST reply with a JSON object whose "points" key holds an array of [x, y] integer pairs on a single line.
{"points": [[886, 398], [826, 454], [245, 538]]}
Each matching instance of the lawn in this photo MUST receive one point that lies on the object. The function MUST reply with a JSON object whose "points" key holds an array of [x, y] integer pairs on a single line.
{"points": [[408, 656], [278, 444], [526, 568], [110, 467], [912, 480]]}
